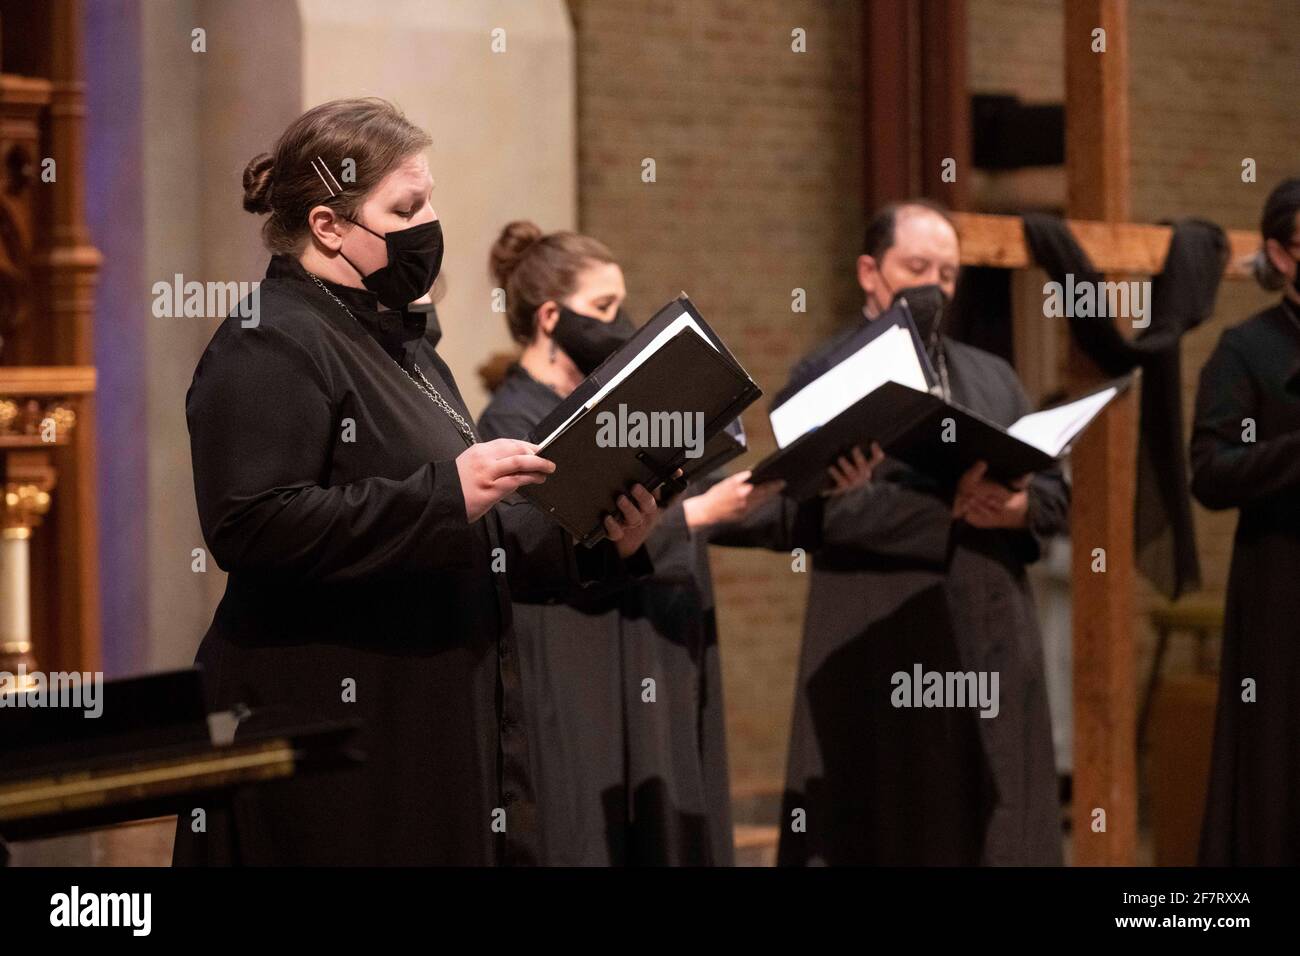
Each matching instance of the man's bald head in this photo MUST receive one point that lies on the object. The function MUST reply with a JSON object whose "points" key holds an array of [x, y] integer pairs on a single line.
{"points": [[908, 244]]}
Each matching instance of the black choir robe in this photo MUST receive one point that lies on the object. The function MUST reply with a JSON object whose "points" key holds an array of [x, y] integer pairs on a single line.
{"points": [[327, 487], [621, 780], [895, 583], [1252, 813]]}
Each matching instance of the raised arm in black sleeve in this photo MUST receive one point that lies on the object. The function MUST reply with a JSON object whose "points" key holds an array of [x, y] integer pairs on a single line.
{"points": [[778, 524]]}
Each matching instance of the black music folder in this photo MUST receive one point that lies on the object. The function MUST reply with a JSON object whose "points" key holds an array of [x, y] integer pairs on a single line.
{"points": [[880, 389], [654, 406]]}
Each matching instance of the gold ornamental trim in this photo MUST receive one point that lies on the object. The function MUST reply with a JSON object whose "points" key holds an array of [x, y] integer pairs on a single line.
{"points": [[80, 790], [21, 509]]}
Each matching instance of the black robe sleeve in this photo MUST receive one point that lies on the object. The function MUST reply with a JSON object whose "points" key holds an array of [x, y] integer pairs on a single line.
{"points": [[891, 517], [262, 422], [777, 525], [1228, 472], [672, 545], [544, 563]]}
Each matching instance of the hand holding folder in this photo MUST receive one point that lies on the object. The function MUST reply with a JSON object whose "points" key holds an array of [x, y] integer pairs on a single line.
{"points": [[731, 499], [990, 504], [849, 471], [657, 405], [638, 513]]}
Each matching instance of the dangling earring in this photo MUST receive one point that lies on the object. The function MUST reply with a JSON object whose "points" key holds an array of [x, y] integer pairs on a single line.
{"points": [[552, 351]]}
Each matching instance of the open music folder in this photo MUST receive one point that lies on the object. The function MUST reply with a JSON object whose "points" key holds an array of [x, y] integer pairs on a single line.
{"points": [[882, 389], [659, 403]]}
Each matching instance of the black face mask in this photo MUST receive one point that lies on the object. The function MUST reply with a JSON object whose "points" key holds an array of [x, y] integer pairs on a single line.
{"points": [[414, 258], [590, 341], [927, 304]]}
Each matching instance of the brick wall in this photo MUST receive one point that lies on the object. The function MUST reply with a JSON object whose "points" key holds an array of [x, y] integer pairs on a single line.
{"points": [[758, 154], [1016, 47]]}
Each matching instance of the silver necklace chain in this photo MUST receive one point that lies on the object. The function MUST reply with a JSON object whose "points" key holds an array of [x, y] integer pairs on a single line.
{"points": [[423, 384], [945, 390], [943, 374]]}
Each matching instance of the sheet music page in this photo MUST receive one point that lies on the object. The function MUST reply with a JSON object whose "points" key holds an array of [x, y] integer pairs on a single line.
{"points": [[1052, 430], [890, 357], [683, 321]]}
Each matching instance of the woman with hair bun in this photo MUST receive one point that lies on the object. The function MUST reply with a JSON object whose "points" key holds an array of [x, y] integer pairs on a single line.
{"points": [[1245, 454], [341, 484], [624, 693]]}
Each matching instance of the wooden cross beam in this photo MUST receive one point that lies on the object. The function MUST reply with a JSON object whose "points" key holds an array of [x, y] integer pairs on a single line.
{"points": [[1123, 248]]}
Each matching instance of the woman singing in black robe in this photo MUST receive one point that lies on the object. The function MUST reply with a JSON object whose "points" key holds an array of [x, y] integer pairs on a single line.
{"points": [[1246, 455], [623, 693], [340, 483]]}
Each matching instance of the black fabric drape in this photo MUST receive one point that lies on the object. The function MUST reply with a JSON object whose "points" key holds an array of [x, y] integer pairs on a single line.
{"points": [[981, 309], [1182, 297]]}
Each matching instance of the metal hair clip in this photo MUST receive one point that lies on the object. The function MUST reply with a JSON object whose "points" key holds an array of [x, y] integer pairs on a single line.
{"points": [[321, 170]]}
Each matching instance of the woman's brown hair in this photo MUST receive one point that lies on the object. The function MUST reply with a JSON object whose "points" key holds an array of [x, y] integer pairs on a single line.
{"points": [[370, 133], [536, 268]]}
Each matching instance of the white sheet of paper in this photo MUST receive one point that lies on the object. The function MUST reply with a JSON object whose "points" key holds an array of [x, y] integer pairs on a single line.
{"points": [[890, 357], [683, 321], [1051, 430]]}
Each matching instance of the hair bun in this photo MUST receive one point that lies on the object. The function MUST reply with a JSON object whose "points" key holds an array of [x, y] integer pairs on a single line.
{"points": [[514, 242], [257, 183]]}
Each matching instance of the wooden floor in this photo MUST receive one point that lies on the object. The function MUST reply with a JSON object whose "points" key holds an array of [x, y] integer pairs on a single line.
{"points": [[149, 843], [146, 843], [755, 845]]}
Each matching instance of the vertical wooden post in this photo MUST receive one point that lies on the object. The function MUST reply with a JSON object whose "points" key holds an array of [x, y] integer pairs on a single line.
{"points": [[945, 101], [1104, 463], [67, 265], [917, 101], [891, 153]]}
